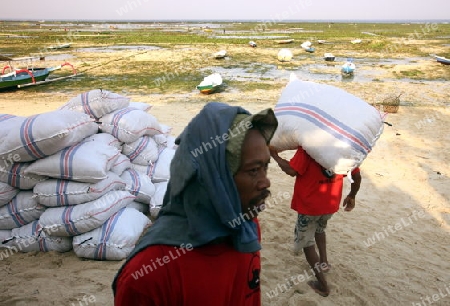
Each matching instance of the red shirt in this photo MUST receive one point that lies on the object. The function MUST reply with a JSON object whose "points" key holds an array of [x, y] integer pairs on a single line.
{"points": [[315, 192], [214, 274]]}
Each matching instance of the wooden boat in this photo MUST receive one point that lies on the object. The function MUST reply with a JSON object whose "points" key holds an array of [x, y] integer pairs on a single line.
{"points": [[210, 84], [442, 60], [60, 46], [285, 55], [252, 44], [18, 78], [284, 41], [329, 57], [348, 68], [220, 54]]}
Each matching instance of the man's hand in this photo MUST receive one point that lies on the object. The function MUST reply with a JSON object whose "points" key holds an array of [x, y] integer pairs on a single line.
{"points": [[349, 203], [273, 152]]}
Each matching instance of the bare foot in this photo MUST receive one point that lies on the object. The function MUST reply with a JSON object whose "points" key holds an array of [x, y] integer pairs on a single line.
{"points": [[315, 285], [327, 267]]}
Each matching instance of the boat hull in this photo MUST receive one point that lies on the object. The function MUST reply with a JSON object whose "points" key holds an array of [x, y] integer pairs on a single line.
{"points": [[11, 81], [443, 61], [285, 41], [209, 89], [63, 46]]}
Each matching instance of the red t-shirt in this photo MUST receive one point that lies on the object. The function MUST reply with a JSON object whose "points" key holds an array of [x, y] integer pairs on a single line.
{"points": [[315, 192], [215, 274]]}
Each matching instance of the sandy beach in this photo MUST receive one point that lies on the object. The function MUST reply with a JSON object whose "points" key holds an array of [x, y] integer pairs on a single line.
{"points": [[392, 249]]}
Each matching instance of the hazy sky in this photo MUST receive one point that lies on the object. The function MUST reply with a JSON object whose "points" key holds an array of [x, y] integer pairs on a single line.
{"points": [[261, 10]]}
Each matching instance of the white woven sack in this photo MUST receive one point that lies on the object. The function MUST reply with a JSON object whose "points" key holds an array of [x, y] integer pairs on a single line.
{"points": [[7, 193], [157, 200], [106, 139], [161, 169], [336, 128], [6, 123], [87, 162], [77, 219], [128, 124], [122, 163], [31, 238], [56, 192], [138, 184], [14, 175], [115, 239], [96, 103], [21, 210], [143, 151], [45, 134], [4, 235], [141, 105], [165, 141]]}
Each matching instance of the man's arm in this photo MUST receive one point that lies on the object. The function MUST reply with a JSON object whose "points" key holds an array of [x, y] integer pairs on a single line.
{"points": [[284, 164], [349, 201]]}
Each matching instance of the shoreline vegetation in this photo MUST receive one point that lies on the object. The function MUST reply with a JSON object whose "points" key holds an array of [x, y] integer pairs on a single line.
{"points": [[171, 57], [163, 62]]}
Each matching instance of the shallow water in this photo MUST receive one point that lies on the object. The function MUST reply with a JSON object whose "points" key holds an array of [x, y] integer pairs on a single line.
{"points": [[116, 48], [320, 70], [58, 57], [250, 37]]}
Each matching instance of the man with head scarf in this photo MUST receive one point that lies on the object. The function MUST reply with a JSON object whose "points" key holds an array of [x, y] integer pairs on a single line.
{"points": [[203, 249]]}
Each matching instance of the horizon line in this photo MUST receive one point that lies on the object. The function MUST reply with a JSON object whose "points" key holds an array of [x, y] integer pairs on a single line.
{"points": [[235, 20]]}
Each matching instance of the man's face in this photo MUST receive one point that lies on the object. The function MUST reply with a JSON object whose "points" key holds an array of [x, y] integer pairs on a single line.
{"points": [[251, 178]]}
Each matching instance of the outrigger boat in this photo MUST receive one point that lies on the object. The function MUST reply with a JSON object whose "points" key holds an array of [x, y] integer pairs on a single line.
{"points": [[12, 77]]}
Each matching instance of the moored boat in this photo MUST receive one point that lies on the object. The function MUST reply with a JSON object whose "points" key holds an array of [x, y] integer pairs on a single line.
{"points": [[442, 60], [60, 46], [210, 84], [329, 57], [285, 55], [220, 54], [22, 77], [348, 68], [284, 41]]}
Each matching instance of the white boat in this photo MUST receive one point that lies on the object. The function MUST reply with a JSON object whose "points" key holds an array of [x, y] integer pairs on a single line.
{"points": [[321, 41], [329, 57], [284, 41], [285, 55], [443, 60], [210, 84], [220, 54], [306, 45], [252, 44], [60, 46], [348, 68], [356, 41]]}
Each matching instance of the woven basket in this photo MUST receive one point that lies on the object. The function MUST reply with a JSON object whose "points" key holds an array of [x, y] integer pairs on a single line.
{"points": [[390, 104]]}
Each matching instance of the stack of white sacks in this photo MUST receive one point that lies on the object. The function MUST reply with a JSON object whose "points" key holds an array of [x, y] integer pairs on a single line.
{"points": [[82, 177]]}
